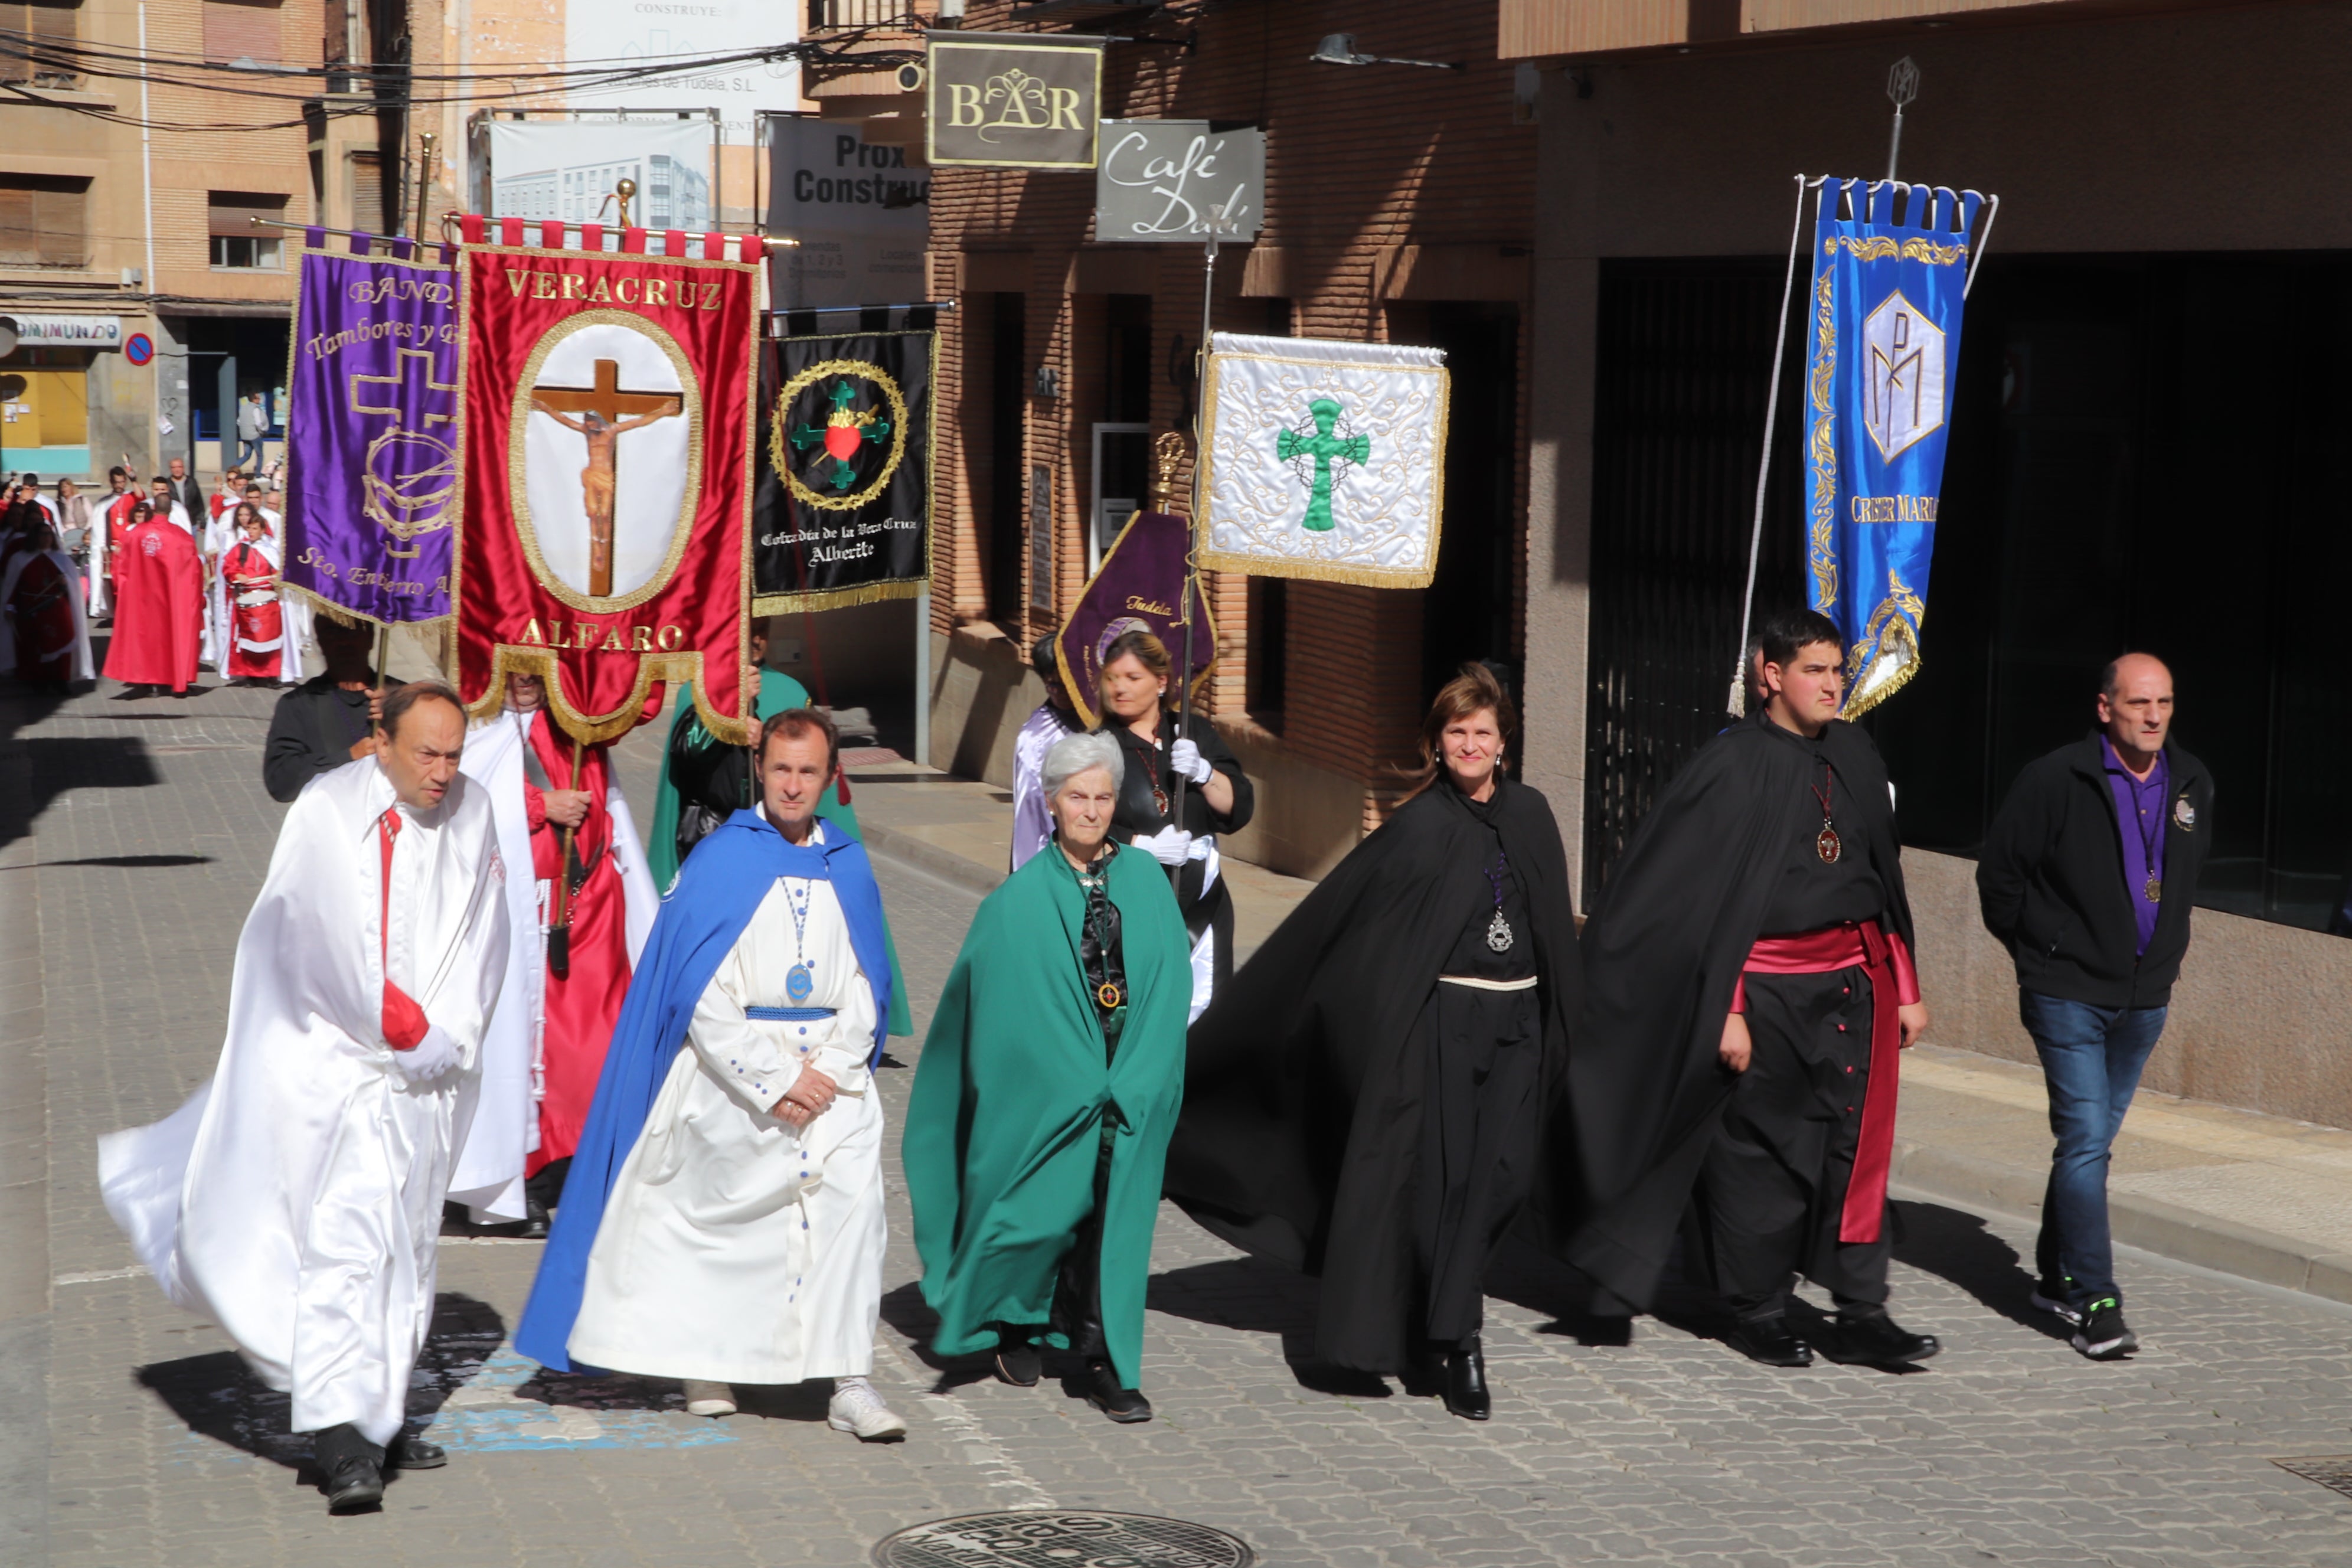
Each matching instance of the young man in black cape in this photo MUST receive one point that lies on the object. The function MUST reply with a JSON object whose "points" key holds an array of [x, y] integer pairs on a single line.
{"points": [[1749, 987], [1366, 1099]]}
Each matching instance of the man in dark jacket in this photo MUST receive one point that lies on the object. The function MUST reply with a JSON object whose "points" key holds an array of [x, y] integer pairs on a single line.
{"points": [[2087, 878], [330, 719]]}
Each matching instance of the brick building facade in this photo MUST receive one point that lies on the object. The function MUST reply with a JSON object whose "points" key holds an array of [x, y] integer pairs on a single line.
{"points": [[1398, 208]]}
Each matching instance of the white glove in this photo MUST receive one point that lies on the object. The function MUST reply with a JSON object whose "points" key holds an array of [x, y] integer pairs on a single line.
{"points": [[1185, 758], [1170, 845], [434, 1055]]}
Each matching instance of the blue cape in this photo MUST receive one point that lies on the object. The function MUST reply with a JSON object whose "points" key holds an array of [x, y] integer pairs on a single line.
{"points": [[717, 891]]}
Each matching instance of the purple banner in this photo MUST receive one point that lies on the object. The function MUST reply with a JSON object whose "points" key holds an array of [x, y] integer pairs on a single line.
{"points": [[1137, 586], [371, 470]]}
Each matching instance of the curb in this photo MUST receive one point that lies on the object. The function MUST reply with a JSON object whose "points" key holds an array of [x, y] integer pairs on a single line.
{"points": [[2168, 1230], [922, 855]]}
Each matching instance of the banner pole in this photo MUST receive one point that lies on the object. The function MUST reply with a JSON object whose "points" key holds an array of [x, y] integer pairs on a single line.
{"points": [[383, 652], [1737, 704], [923, 677], [1191, 535]]}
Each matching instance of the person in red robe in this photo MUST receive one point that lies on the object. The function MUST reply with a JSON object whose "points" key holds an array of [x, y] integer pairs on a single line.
{"points": [[256, 638], [40, 597], [159, 612], [568, 787], [118, 507]]}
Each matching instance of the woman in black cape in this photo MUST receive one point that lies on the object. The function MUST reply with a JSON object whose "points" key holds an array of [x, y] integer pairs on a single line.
{"points": [[1366, 1101]]}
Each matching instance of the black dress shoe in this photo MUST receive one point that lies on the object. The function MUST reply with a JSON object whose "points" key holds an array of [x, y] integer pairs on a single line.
{"points": [[534, 1218], [411, 1452], [1124, 1405], [349, 1473], [1767, 1339], [1874, 1339], [1019, 1365], [1424, 1371], [1466, 1383]]}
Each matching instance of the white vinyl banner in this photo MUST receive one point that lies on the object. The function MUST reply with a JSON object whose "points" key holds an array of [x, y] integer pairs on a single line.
{"points": [[861, 214], [566, 169], [1323, 459], [613, 34]]}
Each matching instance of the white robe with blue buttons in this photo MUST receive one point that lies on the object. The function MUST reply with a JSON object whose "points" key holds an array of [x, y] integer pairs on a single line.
{"points": [[735, 1247]]}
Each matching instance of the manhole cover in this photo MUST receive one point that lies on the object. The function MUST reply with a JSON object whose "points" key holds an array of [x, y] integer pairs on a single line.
{"points": [[1038, 1538], [2333, 1471]]}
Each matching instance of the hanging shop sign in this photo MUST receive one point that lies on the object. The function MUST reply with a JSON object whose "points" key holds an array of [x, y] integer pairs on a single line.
{"points": [[1163, 180], [859, 215], [1012, 100]]}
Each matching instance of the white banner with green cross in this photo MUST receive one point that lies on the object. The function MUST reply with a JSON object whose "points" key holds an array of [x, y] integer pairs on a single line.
{"points": [[1323, 459]]}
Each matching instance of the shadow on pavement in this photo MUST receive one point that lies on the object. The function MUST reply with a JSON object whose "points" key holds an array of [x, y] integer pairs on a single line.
{"points": [[1956, 1245], [131, 862], [1258, 1297], [905, 1309], [217, 1396]]}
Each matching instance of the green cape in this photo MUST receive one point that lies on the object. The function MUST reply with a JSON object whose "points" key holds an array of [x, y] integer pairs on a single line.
{"points": [[1001, 1135], [778, 692]]}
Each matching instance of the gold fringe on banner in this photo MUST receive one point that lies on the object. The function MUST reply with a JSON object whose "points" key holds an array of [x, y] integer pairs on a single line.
{"points": [[839, 598], [594, 729]]}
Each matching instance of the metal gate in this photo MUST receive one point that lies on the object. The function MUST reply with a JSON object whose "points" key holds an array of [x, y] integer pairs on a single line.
{"points": [[1684, 357]]}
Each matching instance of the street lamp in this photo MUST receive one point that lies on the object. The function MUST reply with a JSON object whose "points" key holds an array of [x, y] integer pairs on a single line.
{"points": [[1339, 49]]}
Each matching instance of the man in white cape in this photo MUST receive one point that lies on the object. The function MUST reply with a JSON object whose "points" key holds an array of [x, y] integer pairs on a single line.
{"points": [[723, 1220], [505, 1131], [296, 1199]]}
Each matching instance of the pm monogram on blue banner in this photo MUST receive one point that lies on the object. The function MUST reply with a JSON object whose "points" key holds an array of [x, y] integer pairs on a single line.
{"points": [[1882, 347]]}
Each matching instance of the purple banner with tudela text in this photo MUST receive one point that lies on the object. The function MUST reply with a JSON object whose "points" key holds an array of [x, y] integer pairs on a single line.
{"points": [[372, 469]]}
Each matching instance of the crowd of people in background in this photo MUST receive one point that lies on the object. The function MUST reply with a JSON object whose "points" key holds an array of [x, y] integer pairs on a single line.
{"points": [[213, 597]]}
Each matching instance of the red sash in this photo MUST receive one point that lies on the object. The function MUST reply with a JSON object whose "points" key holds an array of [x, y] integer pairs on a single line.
{"points": [[1892, 983]]}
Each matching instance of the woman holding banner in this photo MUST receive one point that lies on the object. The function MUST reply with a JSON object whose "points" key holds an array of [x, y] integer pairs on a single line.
{"points": [[1218, 798]]}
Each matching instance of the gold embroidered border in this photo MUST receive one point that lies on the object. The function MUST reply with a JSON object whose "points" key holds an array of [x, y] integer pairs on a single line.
{"points": [[839, 598], [1879, 247], [1822, 552], [787, 602], [1212, 560], [518, 461], [1898, 618]]}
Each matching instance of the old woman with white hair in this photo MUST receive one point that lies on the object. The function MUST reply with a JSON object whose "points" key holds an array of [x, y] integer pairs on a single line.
{"points": [[1048, 1087]]}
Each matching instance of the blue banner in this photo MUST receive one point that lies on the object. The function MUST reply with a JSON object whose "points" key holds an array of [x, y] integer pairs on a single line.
{"points": [[1882, 349]]}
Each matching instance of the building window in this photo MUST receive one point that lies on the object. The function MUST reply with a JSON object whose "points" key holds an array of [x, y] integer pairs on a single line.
{"points": [[237, 244], [46, 35], [44, 221], [1269, 649], [237, 31], [1008, 398]]}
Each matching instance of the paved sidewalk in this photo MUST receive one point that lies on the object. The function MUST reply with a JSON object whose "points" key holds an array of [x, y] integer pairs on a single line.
{"points": [[2255, 1195]]}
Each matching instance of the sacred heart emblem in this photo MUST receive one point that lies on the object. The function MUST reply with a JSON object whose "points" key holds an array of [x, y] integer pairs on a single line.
{"points": [[838, 433], [606, 458]]}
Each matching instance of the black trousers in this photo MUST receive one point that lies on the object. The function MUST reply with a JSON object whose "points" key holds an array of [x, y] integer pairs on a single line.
{"points": [[1773, 1191], [1077, 1311], [1480, 1125]]}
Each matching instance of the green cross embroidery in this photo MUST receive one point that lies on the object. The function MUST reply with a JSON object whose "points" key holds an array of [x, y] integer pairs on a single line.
{"points": [[843, 434], [1322, 446]]}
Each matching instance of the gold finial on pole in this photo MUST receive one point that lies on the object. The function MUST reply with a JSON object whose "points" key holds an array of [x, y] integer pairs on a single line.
{"points": [[625, 193], [1168, 449]]}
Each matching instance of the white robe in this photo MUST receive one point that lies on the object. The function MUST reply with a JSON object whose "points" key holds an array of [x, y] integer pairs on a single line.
{"points": [[295, 1198], [734, 1248], [220, 625], [505, 1130], [82, 668]]}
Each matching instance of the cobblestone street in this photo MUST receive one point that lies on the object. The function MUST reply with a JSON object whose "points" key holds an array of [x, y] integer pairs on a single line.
{"points": [[134, 837]]}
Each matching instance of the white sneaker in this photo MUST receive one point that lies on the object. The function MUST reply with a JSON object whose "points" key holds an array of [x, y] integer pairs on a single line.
{"points": [[711, 1399], [855, 1408]]}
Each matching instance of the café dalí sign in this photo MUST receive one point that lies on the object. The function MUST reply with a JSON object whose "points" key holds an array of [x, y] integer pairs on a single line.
{"points": [[1890, 271], [1012, 100], [1162, 180]]}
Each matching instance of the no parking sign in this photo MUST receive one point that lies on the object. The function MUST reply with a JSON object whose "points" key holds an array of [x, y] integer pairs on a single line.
{"points": [[140, 349]]}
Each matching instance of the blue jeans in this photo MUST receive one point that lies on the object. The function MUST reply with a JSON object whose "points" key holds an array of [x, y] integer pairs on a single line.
{"points": [[249, 452], [2090, 1060]]}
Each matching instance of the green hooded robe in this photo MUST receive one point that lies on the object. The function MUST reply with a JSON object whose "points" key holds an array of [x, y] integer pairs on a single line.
{"points": [[778, 693], [1003, 1124]]}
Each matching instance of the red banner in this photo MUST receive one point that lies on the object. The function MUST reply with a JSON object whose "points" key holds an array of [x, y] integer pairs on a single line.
{"points": [[605, 445]]}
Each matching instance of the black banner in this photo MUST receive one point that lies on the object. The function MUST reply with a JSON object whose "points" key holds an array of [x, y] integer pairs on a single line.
{"points": [[842, 511]]}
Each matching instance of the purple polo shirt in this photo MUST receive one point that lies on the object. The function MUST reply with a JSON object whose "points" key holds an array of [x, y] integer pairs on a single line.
{"points": [[2141, 806]]}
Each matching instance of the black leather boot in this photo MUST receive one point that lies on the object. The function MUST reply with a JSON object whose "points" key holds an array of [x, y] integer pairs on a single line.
{"points": [[1867, 1336], [410, 1451], [1124, 1405], [1465, 1380]]}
